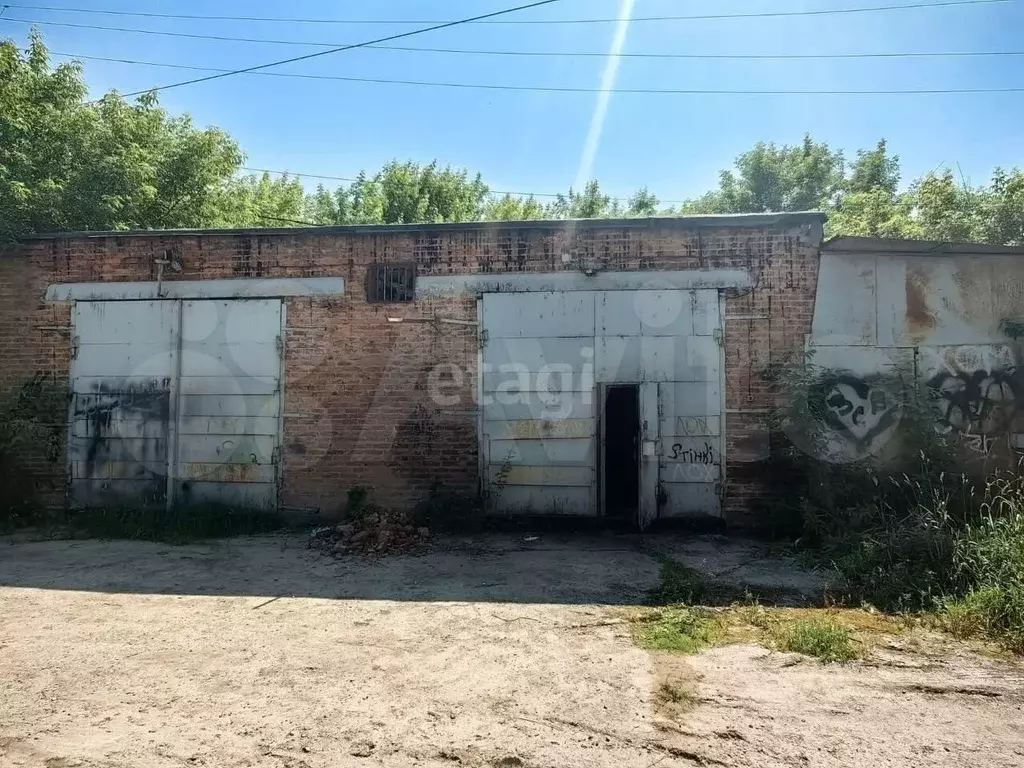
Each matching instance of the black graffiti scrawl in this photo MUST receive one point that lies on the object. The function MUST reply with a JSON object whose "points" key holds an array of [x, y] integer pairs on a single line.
{"points": [[977, 402], [858, 409]]}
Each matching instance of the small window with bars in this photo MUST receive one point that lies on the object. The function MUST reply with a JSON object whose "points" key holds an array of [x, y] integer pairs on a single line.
{"points": [[390, 282]]}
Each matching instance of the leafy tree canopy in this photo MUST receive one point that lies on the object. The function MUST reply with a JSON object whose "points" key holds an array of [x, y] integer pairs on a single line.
{"points": [[67, 163]]}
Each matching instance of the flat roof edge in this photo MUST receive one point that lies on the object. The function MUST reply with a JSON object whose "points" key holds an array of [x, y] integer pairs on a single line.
{"points": [[897, 246], [678, 222]]}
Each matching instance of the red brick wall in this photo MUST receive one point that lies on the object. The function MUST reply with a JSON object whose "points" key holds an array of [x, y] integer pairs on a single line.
{"points": [[357, 409]]}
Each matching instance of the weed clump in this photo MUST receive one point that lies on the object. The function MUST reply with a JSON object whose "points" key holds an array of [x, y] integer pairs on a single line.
{"points": [[679, 629], [822, 638]]}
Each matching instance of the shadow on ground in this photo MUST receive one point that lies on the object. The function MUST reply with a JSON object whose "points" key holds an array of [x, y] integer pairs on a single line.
{"points": [[575, 569]]}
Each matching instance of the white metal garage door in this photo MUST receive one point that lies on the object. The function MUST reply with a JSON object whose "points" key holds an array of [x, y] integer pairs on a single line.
{"points": [[546, 357], [175, 402]]}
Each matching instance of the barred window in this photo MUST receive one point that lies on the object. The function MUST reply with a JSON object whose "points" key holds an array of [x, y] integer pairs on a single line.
{"points": [[390, 282]]}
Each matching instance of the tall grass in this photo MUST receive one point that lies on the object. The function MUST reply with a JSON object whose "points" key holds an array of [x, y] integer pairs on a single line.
{"points": [[918, 537], [989, 561], [933, 541]]}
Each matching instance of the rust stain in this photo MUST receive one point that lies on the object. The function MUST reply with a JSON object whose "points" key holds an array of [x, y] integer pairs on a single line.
{"points": [[920, 319], [222, 473], [527, 429]]}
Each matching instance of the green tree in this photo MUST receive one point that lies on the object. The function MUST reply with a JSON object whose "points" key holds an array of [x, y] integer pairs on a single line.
{"points": [[66, 163], [509, 208], [870, 205], [405, 193], [776, 178], [588, 204], [1005, 220], [642, 203], [261, 201], [874, 169]]}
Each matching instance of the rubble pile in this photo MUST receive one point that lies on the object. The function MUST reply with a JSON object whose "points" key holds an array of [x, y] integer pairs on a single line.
{"points": [[374, 532]]}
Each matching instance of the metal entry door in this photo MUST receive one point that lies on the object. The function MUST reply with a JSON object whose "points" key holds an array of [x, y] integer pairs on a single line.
{"points": [[176, 402]]}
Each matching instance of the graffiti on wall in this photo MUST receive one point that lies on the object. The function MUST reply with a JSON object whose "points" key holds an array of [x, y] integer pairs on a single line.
{"points": [[977, 392], [859, 413]]}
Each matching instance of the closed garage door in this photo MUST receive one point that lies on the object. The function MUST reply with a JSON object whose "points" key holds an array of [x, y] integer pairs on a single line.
{"points": [[176, 402]]}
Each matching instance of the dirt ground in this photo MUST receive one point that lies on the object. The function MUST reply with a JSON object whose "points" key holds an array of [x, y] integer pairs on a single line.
{"points": [[498, 652]]}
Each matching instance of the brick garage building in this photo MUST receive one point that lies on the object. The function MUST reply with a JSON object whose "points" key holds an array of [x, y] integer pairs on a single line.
{"points": [[290, 365]]}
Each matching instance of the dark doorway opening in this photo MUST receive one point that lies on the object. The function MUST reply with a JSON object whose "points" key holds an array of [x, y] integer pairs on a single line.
{"points": [[621, 451]]}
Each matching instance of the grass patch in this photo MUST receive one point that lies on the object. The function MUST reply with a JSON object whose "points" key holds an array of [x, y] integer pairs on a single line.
{"points": [[179, 525], [824, 638], [678, 629], [696, 612]]}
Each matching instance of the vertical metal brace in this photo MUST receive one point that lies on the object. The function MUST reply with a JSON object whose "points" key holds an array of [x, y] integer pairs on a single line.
{"points": [[173, 425]]}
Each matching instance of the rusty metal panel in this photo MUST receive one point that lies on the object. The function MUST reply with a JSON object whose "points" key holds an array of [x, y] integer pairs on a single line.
{"points": [[547, 476], [227, 473]]}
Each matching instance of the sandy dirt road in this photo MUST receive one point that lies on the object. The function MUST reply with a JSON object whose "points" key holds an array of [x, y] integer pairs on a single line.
{"points": [[501, 652]]}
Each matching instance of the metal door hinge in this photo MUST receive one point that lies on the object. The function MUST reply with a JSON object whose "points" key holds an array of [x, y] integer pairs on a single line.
{"points": [[280, 344], [275, 456], [483, 337], [73, 348], [719, 337]]}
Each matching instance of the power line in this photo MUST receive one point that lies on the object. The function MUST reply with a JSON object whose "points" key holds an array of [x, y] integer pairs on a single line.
{"points": [[604, 54], [272, 41], [492, 192], [483, 19], [399, 36], [560, 89]]}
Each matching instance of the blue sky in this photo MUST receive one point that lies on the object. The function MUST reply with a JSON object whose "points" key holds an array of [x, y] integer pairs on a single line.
{"points": [[532, 141]]}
